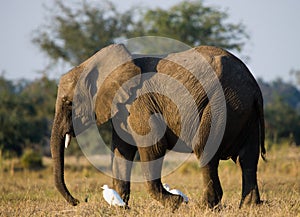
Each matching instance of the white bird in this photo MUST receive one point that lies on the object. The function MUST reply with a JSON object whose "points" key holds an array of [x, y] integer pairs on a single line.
{"points": [[112, 197], [177, 192]]}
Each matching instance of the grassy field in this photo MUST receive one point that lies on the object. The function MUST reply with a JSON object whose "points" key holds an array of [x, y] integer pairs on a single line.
{"points": [[28, 193]]}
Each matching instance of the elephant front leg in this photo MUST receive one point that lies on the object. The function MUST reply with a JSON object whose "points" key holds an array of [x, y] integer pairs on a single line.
{"points": [[152, 160], [121, 175], [123, 155]]}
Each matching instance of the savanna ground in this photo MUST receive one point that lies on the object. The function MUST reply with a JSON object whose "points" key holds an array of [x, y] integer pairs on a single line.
{"points": [[32, 193]]}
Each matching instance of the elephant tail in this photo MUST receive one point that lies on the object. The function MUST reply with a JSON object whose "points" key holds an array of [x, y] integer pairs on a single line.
{"points": [[260, 109]]}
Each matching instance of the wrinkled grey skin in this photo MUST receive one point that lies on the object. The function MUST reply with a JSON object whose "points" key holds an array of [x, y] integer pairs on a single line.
{"points": [[244, 131]]}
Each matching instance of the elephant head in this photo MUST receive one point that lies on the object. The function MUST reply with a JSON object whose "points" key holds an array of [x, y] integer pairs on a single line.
{"points": [[78, 90]]}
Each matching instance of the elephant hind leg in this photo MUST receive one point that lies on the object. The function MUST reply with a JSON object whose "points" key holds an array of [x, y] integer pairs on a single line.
{"points": [[248, 159], [212, 187], [152, 160]]}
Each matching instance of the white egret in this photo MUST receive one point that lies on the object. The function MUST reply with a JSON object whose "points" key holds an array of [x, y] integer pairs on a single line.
{"points": [[177, 192], [112, 197]]}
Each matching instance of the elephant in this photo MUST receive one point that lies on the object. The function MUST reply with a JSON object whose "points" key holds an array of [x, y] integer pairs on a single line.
{"points": [[97, 85]]}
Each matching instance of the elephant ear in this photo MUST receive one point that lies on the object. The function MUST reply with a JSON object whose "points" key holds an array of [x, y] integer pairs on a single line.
{"points": [[102, 78]]}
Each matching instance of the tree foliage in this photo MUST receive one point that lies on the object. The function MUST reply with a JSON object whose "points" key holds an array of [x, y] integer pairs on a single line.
{"points": [[288, 93], [194, 24], [26, 112], [282, 113], [75, 33]]}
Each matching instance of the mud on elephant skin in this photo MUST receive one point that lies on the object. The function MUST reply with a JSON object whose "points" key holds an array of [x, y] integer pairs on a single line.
{"points": [[88, 93]]}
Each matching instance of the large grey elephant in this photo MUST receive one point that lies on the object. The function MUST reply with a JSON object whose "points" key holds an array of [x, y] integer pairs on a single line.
{"points": [[224, 121]]}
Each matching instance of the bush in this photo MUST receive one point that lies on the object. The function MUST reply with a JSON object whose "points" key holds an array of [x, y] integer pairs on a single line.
{"points": [[32, 160]]}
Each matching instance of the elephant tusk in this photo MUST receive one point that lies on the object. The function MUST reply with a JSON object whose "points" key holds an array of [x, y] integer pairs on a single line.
{"points": [[67, 140]]}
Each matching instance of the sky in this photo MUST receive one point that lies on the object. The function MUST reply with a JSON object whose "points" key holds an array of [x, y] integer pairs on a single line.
{"points": [[273, 26]]}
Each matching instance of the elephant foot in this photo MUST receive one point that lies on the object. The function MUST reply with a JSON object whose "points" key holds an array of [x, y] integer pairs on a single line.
{"points": [[123, 189], [211, 203], [159, 193], [218, 208], [168, 200], [173, 202], [212, 198], [252, 198]]}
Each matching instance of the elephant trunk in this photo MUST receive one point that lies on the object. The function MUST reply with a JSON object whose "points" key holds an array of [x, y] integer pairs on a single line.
{"points": [[57, 150]]}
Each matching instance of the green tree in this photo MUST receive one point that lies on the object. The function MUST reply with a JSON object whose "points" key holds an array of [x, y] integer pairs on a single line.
{"points": [[288, 93], [296, 73], [282, 121], [42, 94], [194, 24], [8, 122], [74, 33], [25, 114]]}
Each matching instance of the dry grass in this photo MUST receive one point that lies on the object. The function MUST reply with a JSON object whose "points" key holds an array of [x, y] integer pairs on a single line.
{"points": [[26, 193]]}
